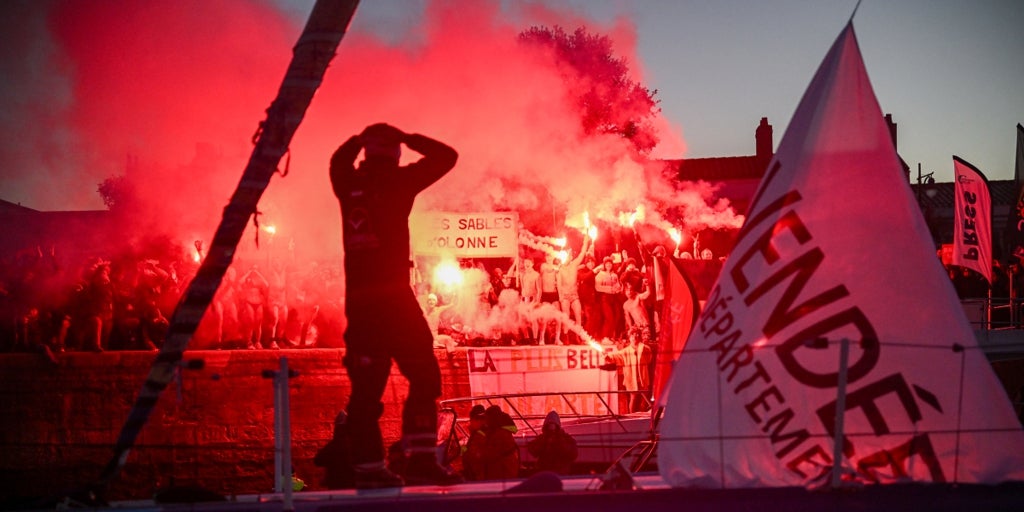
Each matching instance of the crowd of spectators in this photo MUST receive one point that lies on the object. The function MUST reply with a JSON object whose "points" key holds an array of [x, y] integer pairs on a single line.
{"points": [[124, 303], [576, 301], [615, 297]]}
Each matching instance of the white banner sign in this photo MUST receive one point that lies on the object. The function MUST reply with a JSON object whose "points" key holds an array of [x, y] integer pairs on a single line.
{"points": [[465, 235], [544, 369]]}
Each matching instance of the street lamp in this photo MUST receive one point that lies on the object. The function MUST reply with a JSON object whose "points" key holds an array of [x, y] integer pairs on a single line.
{"points": [[925, 179]]}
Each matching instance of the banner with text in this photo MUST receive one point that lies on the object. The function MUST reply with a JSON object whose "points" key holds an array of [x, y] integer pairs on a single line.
{"points": [[1014, 232], [833, 346], [972, 224], [545, 369], [465, 235]]}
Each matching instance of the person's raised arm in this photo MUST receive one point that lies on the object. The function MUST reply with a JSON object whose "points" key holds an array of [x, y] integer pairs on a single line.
{"points": [[583, 252], [343, 162], [438, 159]]}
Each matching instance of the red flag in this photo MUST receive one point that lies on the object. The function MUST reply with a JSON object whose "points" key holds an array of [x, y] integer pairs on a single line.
{"points": [[1014, 232], [835, 253], [972, 225], [678, 315]]}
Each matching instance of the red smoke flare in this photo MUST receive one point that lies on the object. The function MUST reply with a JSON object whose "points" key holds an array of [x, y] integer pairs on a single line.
{"points": [[177, 89]]}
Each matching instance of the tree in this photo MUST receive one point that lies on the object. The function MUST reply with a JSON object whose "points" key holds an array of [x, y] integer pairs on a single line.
{"points": [[608, 100], [117, 192]]}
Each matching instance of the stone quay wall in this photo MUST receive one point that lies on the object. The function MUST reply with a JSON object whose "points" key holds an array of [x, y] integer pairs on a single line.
{"points": [[212, 427]]}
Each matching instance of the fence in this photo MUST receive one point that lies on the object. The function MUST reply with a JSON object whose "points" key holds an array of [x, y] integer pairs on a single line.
{"points": [[997, 313], [215, 427]]}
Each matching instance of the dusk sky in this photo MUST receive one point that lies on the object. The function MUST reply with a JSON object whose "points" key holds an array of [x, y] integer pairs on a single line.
{"points": [[951, 72], [99, 78]]}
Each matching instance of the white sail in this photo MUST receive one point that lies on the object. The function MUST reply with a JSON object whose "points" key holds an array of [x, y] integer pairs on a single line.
{"points": [[835, 247]]}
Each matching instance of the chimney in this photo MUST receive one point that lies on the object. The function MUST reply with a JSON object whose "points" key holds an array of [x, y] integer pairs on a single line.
{"points": [[892, 129], [763, 140]]}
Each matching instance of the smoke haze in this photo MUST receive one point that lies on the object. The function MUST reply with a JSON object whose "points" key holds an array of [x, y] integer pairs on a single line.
{"points": [[170, 93]]}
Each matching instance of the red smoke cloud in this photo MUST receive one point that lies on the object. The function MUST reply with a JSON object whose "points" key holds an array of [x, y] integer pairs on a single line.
{"points": [[181, 86]]}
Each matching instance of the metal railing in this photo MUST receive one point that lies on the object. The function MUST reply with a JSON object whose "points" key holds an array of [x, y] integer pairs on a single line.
{"points": [[533, 422], [993, 314], [602, 436]]}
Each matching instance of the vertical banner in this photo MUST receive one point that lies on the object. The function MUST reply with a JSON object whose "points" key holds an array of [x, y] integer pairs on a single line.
{"points": [[972, 219], [835, 253], [1014, 232], [680, 313]]}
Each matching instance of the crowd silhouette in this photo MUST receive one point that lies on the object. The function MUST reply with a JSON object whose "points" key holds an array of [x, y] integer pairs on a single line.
{"points": [[123, 302]]}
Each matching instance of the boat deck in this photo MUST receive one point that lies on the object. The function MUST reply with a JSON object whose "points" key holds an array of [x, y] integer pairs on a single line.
{"points": [[651, 494]]}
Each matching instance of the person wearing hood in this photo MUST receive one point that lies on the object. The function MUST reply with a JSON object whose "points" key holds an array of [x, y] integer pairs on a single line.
{"points": [[501, 453], [555, 449]]}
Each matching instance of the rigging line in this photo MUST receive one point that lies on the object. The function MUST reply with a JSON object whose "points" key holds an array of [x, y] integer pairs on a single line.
{"points": [[324, 30]]}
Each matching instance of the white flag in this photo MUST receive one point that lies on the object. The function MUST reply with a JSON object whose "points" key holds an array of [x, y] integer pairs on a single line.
{"points": [[972, 220], [835, 247]]}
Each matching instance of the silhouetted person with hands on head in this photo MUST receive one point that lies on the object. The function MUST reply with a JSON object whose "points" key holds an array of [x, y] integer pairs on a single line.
{"points": [[385, 322]]}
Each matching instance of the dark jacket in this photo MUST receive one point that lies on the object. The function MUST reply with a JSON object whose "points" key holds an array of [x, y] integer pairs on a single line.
{"points": [[501, 453], [474, 458], [554, 448]]}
